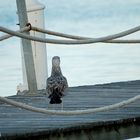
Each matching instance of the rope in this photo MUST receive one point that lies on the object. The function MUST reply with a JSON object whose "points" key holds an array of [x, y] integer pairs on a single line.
{"points": [[8, 35], [76, 112], [49, 32], [69, 42], [127, 32]]}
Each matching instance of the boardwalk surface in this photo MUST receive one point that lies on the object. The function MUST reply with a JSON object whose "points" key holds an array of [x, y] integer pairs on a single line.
{"points": [[16, 121]]}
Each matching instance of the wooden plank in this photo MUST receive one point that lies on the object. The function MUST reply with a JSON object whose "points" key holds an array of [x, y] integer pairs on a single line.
{"points": [[17, 121]]}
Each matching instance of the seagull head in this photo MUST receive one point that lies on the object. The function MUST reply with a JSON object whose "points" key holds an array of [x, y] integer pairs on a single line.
{"points": [[56, 61]]}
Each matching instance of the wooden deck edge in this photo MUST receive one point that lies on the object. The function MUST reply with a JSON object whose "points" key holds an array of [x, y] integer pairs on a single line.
{"points": [[95, 126], [110, 83]]}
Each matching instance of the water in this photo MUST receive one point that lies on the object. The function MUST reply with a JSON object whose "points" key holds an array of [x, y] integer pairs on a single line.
{"points": [[81, 64]]}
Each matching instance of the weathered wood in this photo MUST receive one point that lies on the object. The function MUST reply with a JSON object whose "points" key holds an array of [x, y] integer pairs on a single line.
{"points": [[27, 48], [16, 121]]}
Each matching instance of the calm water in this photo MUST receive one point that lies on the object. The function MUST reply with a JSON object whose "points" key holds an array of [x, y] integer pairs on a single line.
{"points": [[81, 64]]}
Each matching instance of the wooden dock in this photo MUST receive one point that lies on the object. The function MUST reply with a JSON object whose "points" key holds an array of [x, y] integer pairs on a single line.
{"points": [[19, 123]]}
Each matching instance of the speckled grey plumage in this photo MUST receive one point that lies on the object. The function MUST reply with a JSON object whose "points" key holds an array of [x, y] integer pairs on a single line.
{"points": [[56, 83]]}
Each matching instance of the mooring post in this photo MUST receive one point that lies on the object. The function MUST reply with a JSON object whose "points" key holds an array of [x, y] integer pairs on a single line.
{"points": [[35, 13], [27, 48]]}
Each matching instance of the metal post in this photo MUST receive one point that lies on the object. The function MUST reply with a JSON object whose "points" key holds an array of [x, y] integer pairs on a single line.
{"points": [[35, 13], [27, 48]]}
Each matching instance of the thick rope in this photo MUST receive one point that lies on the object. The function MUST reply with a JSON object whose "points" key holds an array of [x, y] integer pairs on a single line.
{"points": [[70, 42], [8, 35], [54, 33], [76, 112], [49, 32]]}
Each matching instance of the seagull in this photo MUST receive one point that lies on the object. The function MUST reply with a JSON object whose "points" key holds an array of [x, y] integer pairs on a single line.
{"points": [[56, 83]]}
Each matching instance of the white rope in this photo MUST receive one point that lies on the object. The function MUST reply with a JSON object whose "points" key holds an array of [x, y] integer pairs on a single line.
{"points": [[8, 35], [54, 33], [70, 42], [49, 32], [76, 112]]}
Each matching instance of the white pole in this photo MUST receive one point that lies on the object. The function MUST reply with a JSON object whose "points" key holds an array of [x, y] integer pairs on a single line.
{"points": [[27, 49], [35, 12]]}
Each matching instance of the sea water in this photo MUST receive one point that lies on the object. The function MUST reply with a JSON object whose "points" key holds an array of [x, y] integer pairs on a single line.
{"points": [[81, 64]]}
